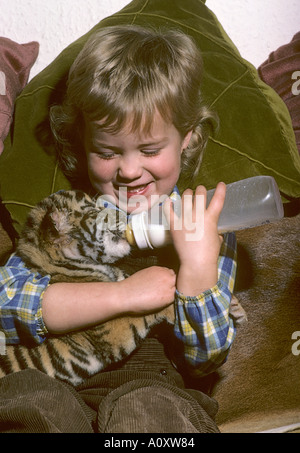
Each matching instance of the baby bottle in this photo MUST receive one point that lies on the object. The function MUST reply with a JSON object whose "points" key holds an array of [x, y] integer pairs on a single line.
{"points": [[248, 203]]}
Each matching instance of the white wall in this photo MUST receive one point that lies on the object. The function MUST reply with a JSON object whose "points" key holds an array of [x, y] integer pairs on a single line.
{"points": [[257, 27]]}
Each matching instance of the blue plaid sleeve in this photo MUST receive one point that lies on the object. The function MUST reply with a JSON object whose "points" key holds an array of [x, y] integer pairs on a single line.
{"points": [[21, 293], [202, 323]]}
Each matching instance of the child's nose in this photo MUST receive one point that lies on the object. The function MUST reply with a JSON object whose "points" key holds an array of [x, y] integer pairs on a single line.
{"points": [[130, 168]]}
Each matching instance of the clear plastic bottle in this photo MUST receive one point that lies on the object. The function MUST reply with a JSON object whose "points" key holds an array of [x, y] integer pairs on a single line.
{"points": [[248, 203]]}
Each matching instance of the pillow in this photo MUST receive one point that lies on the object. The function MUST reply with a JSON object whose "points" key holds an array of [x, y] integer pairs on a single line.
{"points": [[255, 135], [16, 60], [282, 72]]}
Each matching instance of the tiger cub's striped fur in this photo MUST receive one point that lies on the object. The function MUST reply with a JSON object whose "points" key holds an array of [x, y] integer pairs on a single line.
{"points": [[63, 237]]}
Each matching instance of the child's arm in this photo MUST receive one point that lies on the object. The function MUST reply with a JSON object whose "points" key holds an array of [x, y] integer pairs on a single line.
{"points": [[204, 285], [69, 306], [203, 323], [30, 307]]}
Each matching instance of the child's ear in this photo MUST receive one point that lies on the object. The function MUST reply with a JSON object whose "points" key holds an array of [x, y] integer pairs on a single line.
{"points": [[186, 140]]}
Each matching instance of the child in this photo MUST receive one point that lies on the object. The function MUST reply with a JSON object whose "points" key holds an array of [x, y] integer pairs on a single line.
{"points": [[131, 123]]}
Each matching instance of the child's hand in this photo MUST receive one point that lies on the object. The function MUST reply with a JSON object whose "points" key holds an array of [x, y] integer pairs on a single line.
{"points": [[197, 242], [149, 290]]}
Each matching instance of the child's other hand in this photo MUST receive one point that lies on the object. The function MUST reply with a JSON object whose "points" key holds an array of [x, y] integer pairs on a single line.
{"points": [[197, 241]]}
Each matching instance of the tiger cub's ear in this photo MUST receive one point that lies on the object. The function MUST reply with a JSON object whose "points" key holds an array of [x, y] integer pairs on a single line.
{"points": [[56, 227]]}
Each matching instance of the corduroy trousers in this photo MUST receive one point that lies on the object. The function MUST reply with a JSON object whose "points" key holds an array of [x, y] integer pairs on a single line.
{"points": [[146, 395]]}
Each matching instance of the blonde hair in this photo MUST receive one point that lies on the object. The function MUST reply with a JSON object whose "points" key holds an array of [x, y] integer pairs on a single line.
{"points": [[132, 72]]}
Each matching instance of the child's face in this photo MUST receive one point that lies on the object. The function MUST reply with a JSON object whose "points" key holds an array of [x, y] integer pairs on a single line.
{"points": [[133, 168]]}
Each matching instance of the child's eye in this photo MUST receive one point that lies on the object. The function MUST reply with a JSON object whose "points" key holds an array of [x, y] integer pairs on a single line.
{"points": [[105, 154], [151, 152]]}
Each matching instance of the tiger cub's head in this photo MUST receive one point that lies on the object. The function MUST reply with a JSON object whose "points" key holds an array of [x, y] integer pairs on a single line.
{"points": [[68, 226]]}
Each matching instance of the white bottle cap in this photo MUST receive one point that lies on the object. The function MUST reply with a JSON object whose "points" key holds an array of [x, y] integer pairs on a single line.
{"points": [[139, 227]]}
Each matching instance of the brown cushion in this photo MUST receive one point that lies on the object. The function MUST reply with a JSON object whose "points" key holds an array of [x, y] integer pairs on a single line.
{"points": [[16, 60]]}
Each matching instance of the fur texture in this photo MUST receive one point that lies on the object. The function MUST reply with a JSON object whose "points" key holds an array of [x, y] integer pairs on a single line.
{"points": [[67, 236], [258, 387]]}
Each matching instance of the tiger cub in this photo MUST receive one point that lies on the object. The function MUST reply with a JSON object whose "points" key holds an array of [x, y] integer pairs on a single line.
{"points": [[69, 237]]}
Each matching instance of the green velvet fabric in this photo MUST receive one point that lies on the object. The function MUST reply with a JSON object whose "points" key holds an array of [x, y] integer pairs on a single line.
{"points": [[255, 135]]}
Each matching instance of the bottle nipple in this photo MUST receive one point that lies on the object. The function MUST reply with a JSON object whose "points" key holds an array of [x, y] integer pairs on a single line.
{"points": [[129, 235]]}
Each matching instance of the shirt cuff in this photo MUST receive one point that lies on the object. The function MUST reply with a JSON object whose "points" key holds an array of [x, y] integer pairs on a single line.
{"points": [[41, 329], [212, 292]]}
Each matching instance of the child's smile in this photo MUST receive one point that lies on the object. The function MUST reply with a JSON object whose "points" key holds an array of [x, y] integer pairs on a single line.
{"points": [[134, 169]]}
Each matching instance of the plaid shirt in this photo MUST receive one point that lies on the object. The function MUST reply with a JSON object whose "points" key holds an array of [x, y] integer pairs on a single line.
{"points": [[21, 293], [202, 323]]}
